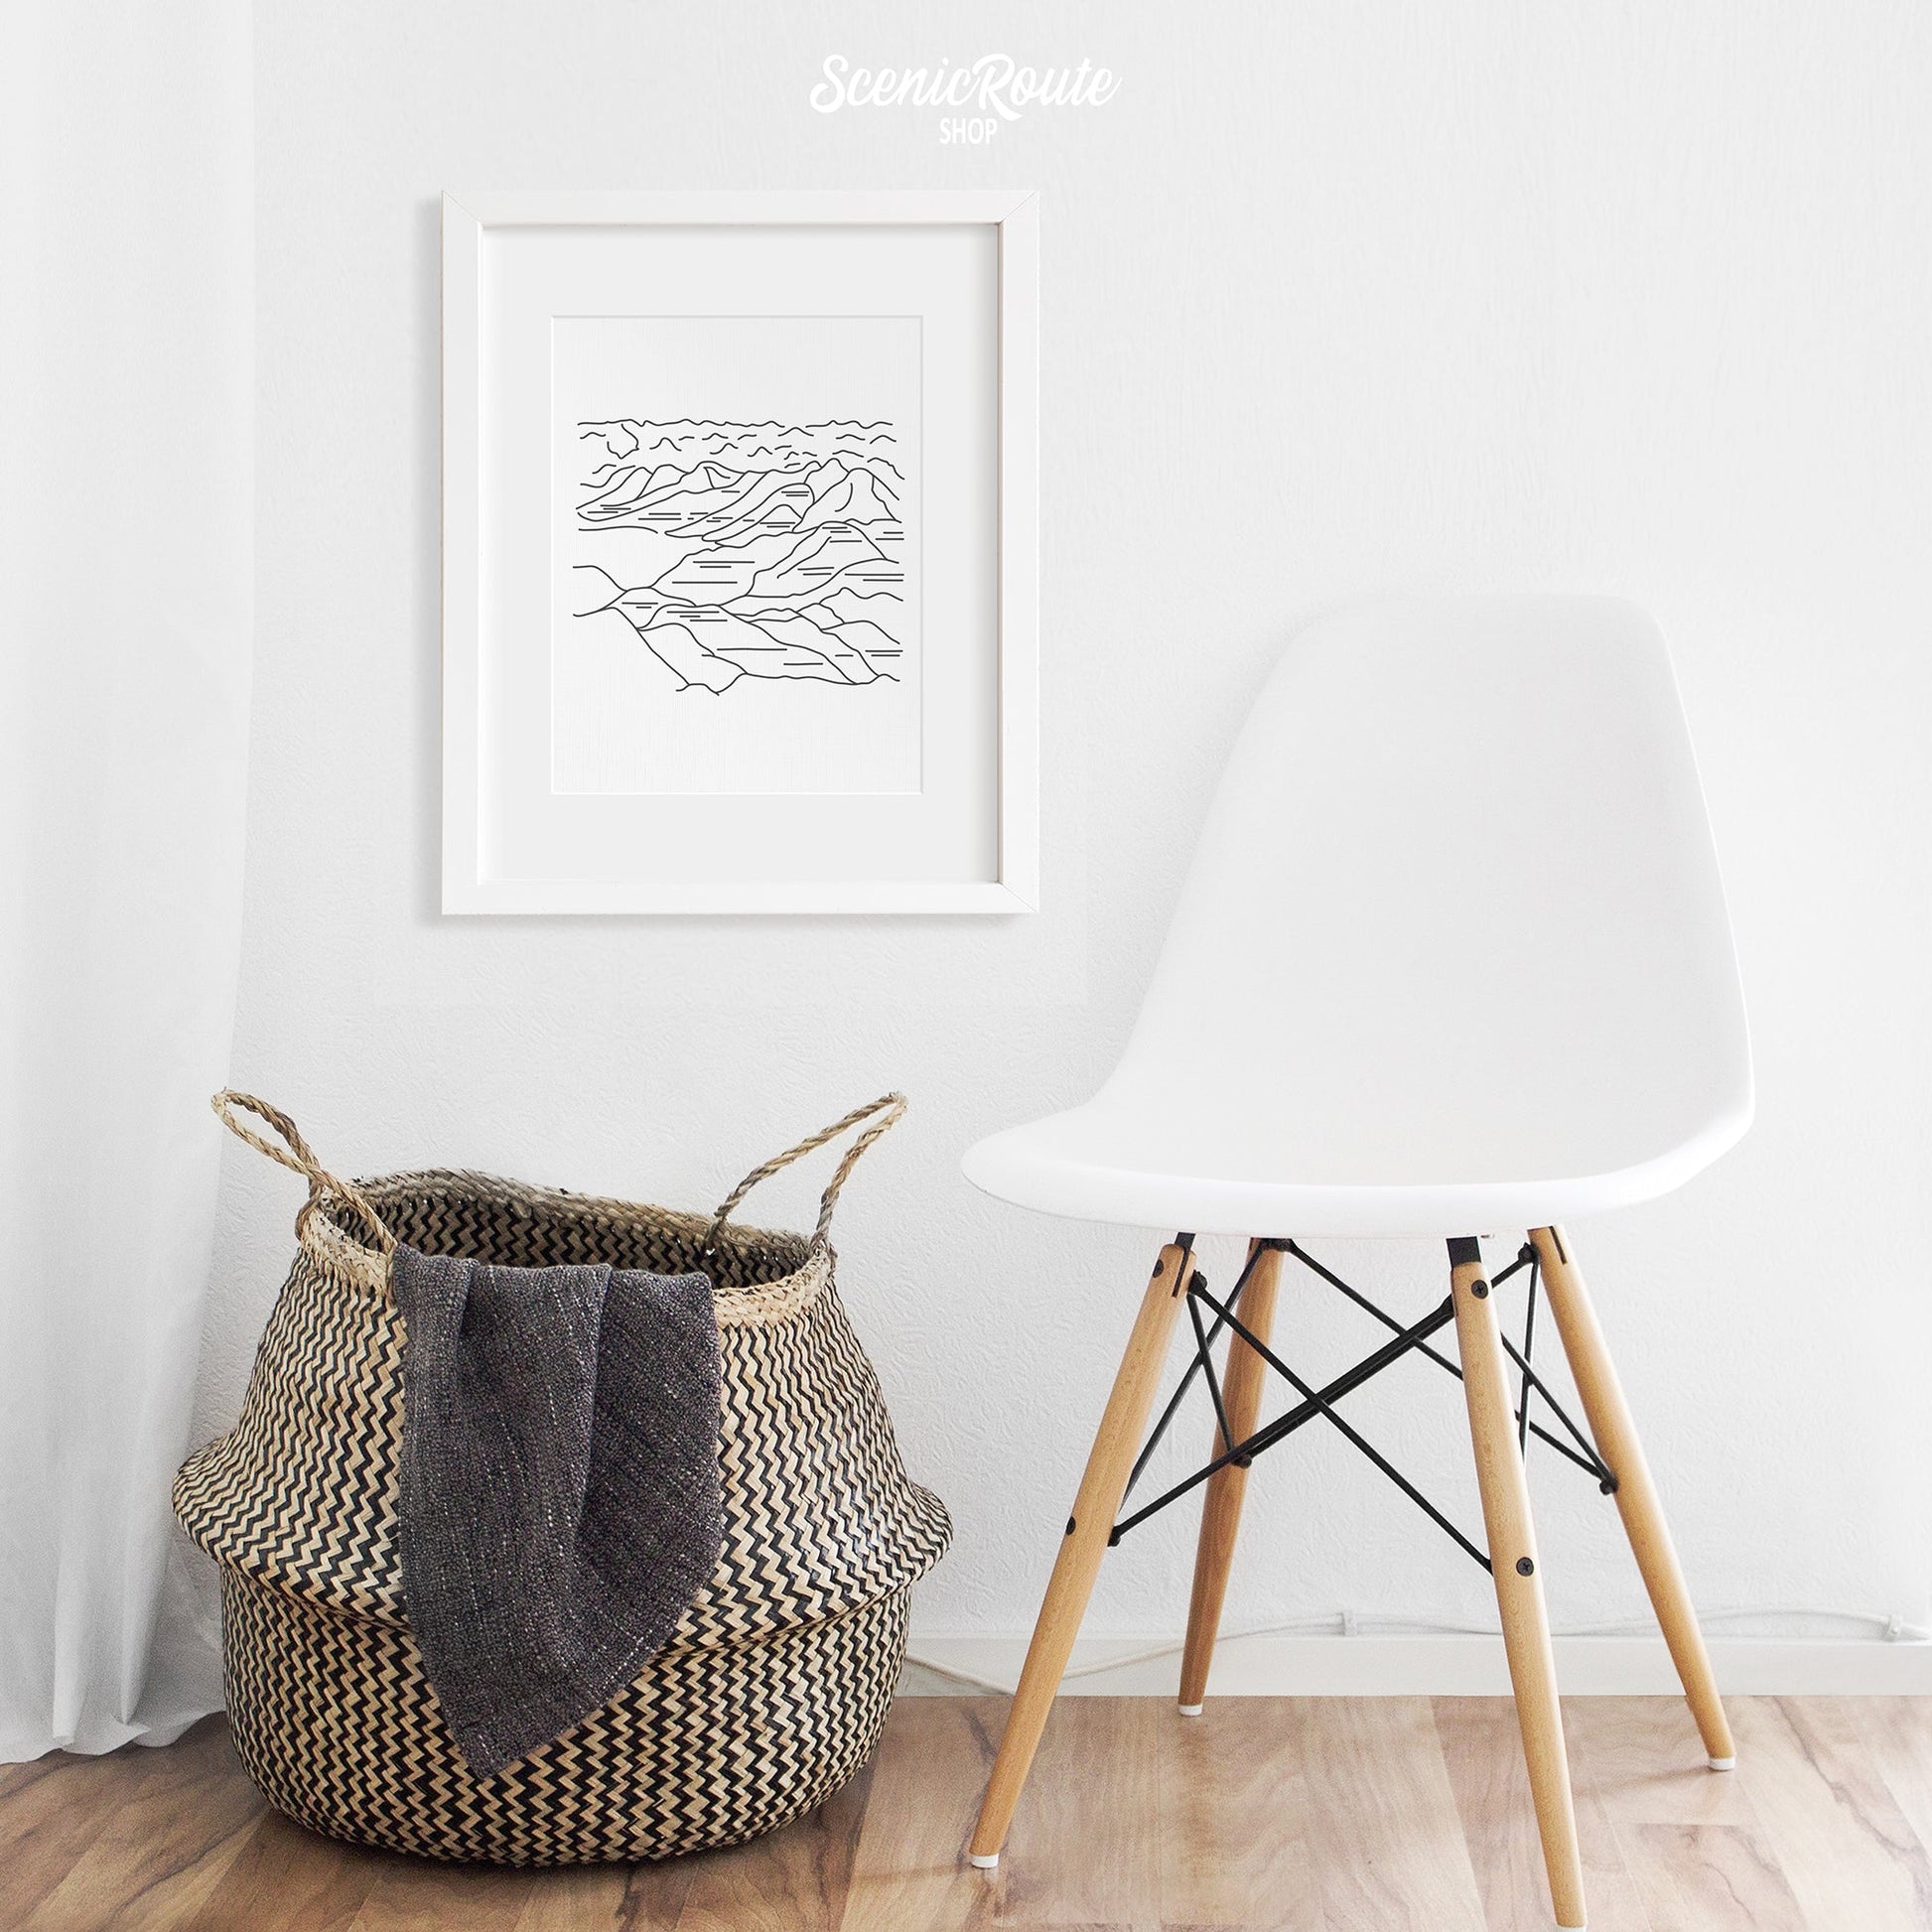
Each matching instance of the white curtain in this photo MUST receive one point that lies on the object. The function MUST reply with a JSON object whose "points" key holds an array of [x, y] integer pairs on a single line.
{"points": [[126, 431]]}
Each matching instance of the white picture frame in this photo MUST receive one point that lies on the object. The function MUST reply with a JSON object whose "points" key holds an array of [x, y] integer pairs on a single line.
{"points": [[578, 811]]}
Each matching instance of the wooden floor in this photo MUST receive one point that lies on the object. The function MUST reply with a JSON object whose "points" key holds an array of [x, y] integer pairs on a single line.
{"points": [[1292, 1815]]}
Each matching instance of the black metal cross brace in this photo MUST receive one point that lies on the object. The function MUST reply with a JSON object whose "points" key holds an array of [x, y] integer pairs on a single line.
{"points": [[1413, 1338]]}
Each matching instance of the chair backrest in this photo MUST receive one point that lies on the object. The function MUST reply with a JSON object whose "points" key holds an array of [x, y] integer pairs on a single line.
{"points": [[1455, 914]]}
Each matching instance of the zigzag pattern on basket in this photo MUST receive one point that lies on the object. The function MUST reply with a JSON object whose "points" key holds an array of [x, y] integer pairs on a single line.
{"points": [[303, 1490], [336, 1722], [771, 1689]]}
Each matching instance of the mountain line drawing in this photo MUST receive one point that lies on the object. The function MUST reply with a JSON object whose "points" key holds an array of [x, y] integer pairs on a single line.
{"points": [[787, 547]]}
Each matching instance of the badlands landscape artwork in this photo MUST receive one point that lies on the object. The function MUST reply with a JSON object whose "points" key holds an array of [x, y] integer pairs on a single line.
{"points": [[738, 555], [778, 550]]}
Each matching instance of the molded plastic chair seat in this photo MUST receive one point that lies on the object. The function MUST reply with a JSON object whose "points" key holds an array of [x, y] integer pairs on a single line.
{"points": [[1454, 954]]}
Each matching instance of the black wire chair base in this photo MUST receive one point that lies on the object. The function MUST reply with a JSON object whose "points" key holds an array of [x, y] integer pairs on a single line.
{"points": [[1411, 1339]]}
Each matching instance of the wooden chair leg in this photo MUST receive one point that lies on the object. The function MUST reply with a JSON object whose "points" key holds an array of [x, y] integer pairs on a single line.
{"points": [[1082, 1547], [1636, 1494], [1220, 1519], [1519, 1588]]}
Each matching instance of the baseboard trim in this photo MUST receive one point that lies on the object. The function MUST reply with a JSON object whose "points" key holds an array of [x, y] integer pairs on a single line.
{"points": [[1443, 1666]]}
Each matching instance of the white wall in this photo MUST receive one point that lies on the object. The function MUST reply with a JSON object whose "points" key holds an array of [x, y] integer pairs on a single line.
{"points": [[1339, 300]]}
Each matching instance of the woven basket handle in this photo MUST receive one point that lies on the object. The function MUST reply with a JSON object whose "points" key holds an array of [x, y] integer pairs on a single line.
{"points": [[889, 1107], [299, 1157]]}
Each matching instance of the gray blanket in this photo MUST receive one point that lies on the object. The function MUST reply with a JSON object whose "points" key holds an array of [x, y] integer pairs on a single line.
{"points": [[559, 1493]]}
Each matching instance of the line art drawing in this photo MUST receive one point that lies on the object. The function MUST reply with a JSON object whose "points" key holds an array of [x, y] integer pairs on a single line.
{"points": [[783, 547]]}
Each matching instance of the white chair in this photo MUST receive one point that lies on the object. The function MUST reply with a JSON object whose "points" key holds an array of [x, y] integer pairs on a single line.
{"points": [[1453, 957]]}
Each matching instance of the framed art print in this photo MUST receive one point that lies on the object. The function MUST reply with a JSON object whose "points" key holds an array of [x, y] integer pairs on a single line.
{"points": [[739, 553]]}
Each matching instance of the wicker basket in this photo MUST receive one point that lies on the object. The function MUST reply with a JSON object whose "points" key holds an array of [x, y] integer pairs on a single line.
{"points": [[770, 1692]]}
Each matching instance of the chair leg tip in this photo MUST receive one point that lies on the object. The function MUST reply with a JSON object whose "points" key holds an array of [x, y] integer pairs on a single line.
{"points": [[1723, 1764], [986, 1860], [1193, 1710]]}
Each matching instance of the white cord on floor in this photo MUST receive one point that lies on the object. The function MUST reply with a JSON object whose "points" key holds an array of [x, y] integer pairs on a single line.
{"points": [[1349, 1623]]}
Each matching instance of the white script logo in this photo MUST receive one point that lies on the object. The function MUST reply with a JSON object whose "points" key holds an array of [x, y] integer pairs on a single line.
{"points": [[995, 89]]}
